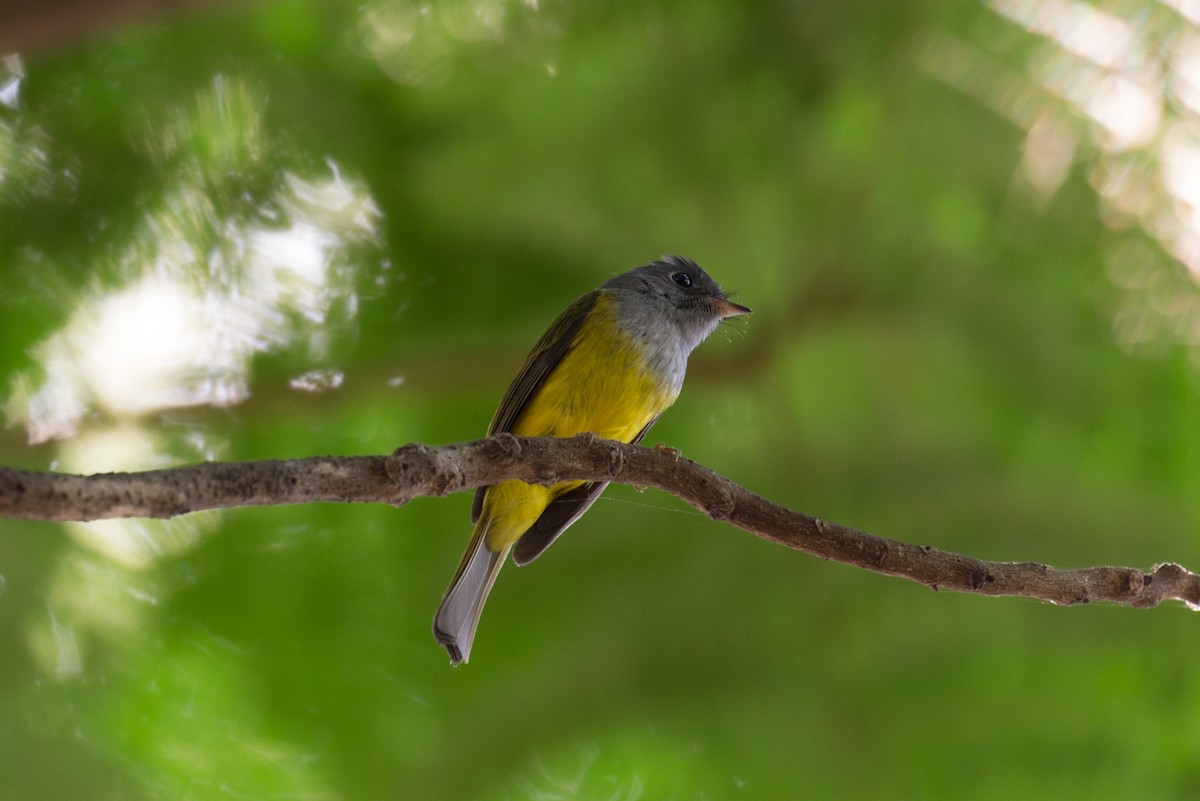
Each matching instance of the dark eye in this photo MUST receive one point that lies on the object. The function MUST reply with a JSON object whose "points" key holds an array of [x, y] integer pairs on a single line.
{"points": [[682, 280]]}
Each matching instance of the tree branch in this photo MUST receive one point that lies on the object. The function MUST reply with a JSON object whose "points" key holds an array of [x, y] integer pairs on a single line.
{"points": [[416, 470]]}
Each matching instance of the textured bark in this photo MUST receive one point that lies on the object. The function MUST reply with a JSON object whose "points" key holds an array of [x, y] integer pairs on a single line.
{"points": [[416, 470]]}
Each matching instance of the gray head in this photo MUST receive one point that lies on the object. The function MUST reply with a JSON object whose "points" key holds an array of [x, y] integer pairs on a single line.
{"points": [[680, 293]]}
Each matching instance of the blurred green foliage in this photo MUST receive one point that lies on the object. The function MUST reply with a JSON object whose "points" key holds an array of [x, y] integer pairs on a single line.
{"points": [[937, 354]]}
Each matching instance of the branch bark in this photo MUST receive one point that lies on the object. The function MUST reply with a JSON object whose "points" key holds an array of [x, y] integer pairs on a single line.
{"points": [[416, 470]]}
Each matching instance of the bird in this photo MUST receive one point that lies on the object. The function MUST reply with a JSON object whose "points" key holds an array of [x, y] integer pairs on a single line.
{"points": [[609, 365]]}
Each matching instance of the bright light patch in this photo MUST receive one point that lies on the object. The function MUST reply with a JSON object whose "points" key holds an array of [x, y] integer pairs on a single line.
{"points": [[415, 43], [1188, 9], [184, 332], [1185, 80], [1117, 91], [1077, 27], [204, 292], [12, 72]]}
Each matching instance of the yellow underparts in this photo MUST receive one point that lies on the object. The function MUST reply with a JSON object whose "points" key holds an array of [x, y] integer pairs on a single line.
{"points": [[600, 387]]}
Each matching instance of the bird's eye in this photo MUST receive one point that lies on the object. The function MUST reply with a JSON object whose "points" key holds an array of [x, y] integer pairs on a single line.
{"points": [[682, 280]]}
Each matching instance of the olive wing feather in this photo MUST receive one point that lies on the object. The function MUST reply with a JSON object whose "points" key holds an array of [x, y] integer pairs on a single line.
{"points": [[560, 514], [540, 362]]}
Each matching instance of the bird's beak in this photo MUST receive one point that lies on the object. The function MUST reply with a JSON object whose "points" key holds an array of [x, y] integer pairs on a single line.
{"points": [[727, 308]]}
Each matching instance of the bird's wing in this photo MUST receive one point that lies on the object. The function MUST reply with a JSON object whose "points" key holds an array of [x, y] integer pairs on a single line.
{"points": [[544, 357], [560, 514]]}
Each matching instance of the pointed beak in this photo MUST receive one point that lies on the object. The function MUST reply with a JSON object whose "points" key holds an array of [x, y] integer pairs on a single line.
{"points": [[727, 308]]}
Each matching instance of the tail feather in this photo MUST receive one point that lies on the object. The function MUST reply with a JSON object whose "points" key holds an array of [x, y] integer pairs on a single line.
{"points": [[456, 618]]}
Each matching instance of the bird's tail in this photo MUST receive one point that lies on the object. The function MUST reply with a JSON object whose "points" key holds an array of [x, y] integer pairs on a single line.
{"points": [[456, 618]]}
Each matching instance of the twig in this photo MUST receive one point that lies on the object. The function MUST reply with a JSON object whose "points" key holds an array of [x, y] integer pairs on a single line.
{"points": [[416, 470]]}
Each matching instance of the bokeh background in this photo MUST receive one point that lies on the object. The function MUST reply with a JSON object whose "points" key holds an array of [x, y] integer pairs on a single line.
{"points": [[970, 234]]}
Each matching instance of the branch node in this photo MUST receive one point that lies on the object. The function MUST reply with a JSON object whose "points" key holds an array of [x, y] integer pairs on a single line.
{"points": [[616, 461], [723, 506], [401, 462], [978, 578], [881, 557], [509, 447]]}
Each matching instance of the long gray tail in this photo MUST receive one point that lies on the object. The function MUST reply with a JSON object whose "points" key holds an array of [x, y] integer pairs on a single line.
{"points": [[456, 618]]}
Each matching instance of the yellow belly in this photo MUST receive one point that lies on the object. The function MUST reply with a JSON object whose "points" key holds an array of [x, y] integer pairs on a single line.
{"points": [[601, 387]]}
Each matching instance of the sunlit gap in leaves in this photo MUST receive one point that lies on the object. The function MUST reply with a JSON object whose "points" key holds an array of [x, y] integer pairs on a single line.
{"points": [[415, 42], [1119, 92], [219, 271], [12, 73], [24, 163]]}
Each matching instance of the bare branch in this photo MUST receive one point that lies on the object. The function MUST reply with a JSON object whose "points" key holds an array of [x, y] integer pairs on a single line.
{"points": [[416, 470]]}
